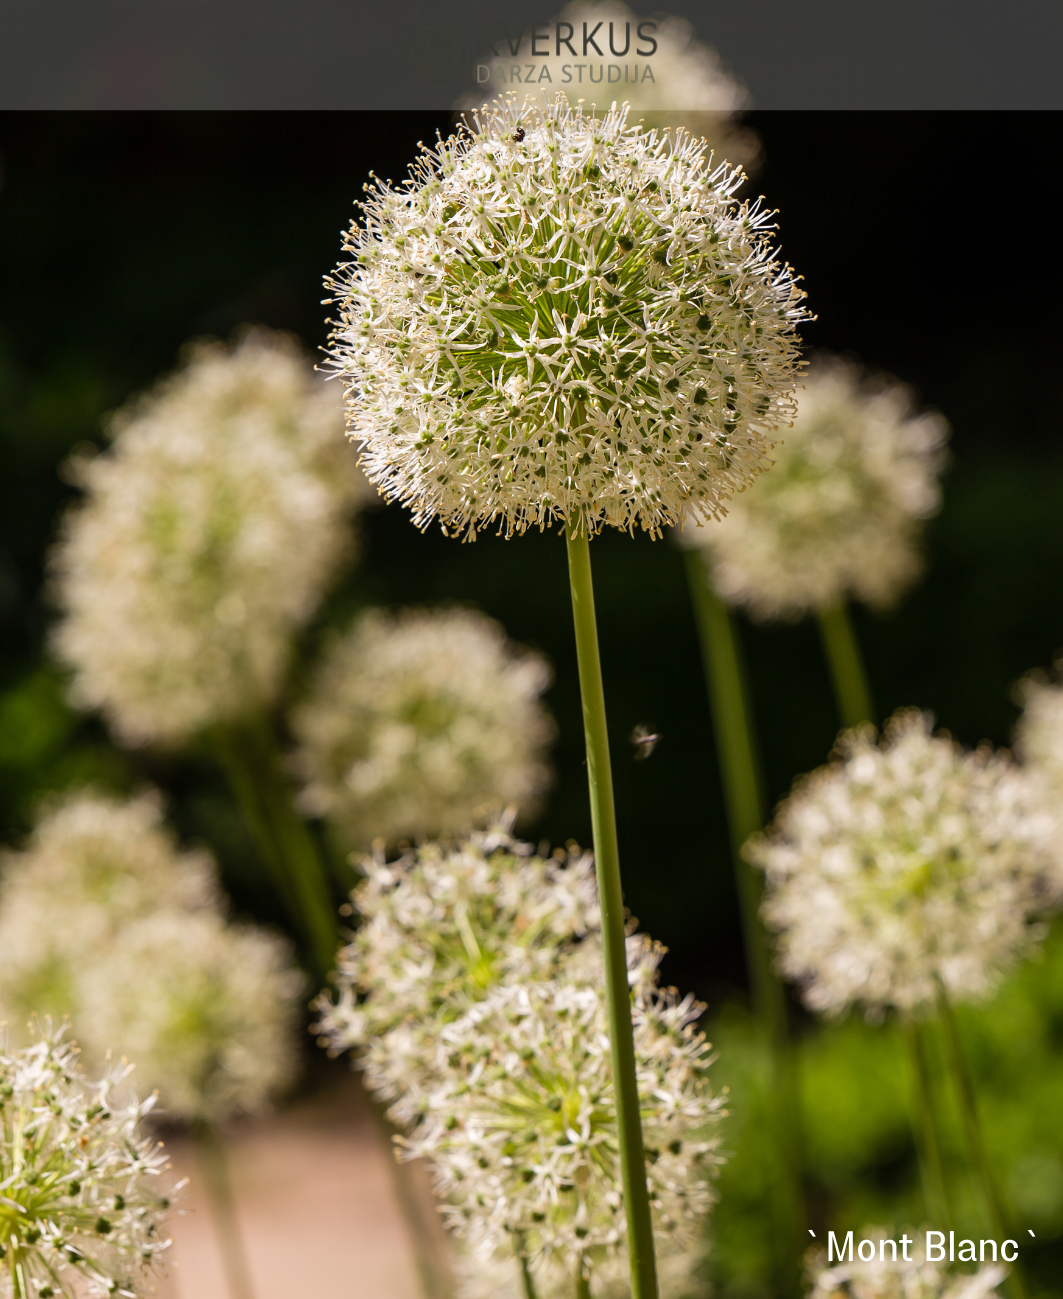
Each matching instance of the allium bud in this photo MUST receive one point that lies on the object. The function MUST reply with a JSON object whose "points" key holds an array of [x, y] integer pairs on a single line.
{"points": [[899, 1271], [422, 723], [905, 867], [839, 514], [561, 318], [438, 930], [208, 1010], [79, 1216], [209, 533], [520, 1123]]}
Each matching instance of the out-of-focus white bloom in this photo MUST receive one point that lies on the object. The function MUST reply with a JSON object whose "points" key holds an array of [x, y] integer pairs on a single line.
{"points": [[839, 514], [78, 1216], [94, 865], [209, 532], [613, 273], [208, 1010], [902, 867], [422, 723], [886, 1277], [499, 1276], [667, 77], [439, 929], [520, 1121]]}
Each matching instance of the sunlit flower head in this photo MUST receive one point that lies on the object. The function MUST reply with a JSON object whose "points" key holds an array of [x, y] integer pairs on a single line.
{"points": [[1039, 741], [439, 929], [207, 536], [667, 77], [93, 865], [520, 1122], [840, 513], [887, 1274], [422, 723], [904, 867], [83, 1202], [208, 1010], [560, 318]]}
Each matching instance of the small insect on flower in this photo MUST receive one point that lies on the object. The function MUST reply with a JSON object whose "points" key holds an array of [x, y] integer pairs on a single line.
{"points": [[645, 739], [518, 134]]}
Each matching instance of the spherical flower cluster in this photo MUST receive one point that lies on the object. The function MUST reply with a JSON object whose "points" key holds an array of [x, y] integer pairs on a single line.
{"points": [[520, 1124], [78, 1216], [440, 928], [885, 1277], [903, 868], [103, 919], [209, 532], [667, 77], [564, 318], [500, 1276], [207, 1010], [840, 512], [94, 865], [422, 723]]}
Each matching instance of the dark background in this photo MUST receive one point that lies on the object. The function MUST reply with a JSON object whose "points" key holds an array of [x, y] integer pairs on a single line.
{"points": [[927, 249]]}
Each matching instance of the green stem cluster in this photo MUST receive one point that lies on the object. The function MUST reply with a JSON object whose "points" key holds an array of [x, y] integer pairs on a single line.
{"points": [[743, 792], [611, 902], [928, 1148]]}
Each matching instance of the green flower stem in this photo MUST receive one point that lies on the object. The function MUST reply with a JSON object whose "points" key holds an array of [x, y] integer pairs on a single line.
{"points": [[257, 776], [525, 1271], [611, 902], [20, 1288], [928, 1149], [743, 791], [968, 1101], [846, 666], [583, 1283], [210, 1155]]}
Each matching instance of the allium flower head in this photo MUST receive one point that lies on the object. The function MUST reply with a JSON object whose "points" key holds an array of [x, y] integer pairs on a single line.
{"points": [[78, 1214], [564, 318], [208, 534], [676, 82], [839, 514], [439, 929], [93, 865], [886, 1277], [422, 723], [208, 1010], [903, 867], [521, 1124]]}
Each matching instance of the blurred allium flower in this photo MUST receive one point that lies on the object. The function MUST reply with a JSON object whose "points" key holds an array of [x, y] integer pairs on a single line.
{"points": [[561, 318], [420, 723], [889, 1278], [839, 514], [78, 1217], [688, 86], [904, 866], [499, 1276], [93, 865], [439, 929], [520, 1123], [208, 534], [208, 1010]]}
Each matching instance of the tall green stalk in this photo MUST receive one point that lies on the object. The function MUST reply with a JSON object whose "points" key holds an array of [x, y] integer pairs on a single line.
{"points": [[846, 665], [968, 1104], [212, 1162], [736, 748], [928, 1148], [611, 901], [525, 1271]]}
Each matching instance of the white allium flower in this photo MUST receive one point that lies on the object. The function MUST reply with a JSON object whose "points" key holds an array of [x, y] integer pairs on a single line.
{"points": [[839, 514], [904, 866], [520, 1121], [209, 532], [422, 723], [93, 865], [78, 1216], [439, 929], [884, 1277], [499, 1276], [208, 1010], [560, 318], [686, 85]]}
